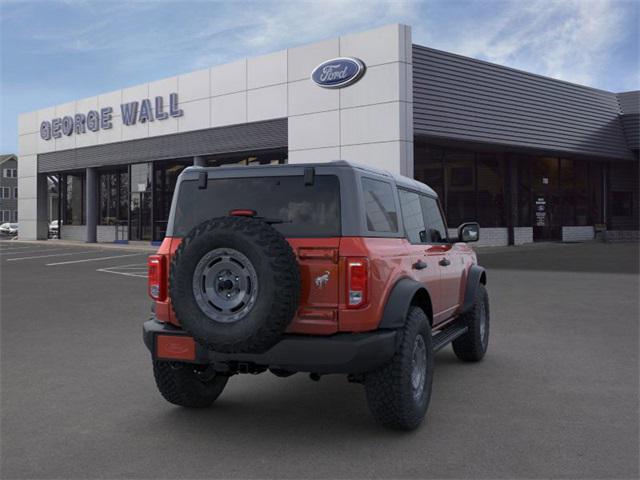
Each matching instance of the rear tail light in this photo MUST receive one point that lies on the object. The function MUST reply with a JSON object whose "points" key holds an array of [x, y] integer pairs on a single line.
{"points": [[357, 281], [157, 277]]}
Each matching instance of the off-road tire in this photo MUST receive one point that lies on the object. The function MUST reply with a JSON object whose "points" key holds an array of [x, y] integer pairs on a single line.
{"points": [[278, 284], [389, 390], [181, 384], [472, 346]]}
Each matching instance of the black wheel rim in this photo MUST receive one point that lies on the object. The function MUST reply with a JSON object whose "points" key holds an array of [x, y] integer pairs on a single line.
{"points": [[225, 285]]}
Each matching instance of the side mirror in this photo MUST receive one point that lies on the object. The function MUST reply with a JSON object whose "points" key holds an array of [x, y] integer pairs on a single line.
{"points": [[469, 232]]}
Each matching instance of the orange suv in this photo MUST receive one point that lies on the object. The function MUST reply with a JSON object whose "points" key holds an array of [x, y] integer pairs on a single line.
{"points": [[322, 268]]}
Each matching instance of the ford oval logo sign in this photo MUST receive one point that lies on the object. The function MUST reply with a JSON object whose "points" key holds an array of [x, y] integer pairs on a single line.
{"points": [[338, 73]]}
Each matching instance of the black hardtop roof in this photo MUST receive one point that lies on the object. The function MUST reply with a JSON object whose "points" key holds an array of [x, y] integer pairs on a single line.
{"points": [[252, 171]]}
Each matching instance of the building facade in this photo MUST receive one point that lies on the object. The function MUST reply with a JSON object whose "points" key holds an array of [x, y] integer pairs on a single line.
{"points": [[531, 158], [8, 188]]}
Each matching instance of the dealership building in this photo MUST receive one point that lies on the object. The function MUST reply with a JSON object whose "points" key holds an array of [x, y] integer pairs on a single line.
{"points": [[530, 158]]}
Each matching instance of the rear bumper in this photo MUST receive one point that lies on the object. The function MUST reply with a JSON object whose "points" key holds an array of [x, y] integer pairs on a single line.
{"points": [[339, 353]]}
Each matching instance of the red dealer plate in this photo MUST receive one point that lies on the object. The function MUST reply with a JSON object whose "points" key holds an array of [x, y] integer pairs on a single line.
{"points": [[175, 347]]}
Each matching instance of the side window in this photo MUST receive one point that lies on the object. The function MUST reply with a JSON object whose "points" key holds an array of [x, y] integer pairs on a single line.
{"points": [[412, 216], [379, 205], [436, 230]]}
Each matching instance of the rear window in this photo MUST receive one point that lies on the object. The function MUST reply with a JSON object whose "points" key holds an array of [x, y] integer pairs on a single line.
{"points": [[305, 210]]}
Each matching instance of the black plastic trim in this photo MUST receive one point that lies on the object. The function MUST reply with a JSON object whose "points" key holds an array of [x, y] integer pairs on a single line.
{"points": [[397, 307], [339, 353], [473, 280]]}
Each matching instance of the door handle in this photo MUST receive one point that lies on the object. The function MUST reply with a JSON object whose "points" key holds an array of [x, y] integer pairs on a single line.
{"points": [[419, 265], [444, 262]]}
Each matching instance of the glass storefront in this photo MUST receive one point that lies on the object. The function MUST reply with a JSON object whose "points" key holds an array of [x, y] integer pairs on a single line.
{"points": [[73, 198], [113, 197], [141, 175], [471, 185], [545, 192]]}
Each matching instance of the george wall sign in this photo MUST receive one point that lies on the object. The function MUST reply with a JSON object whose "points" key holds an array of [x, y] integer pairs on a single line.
{"points": [[94, 120], [338, 72]]}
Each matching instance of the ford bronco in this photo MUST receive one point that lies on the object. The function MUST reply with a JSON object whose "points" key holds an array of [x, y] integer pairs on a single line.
{"points": [[321, 268]]}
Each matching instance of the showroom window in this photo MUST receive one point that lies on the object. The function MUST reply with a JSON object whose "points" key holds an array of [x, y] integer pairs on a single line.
{"points": [[460, 186], [113, 198], [470, 185], [73, 196], [491, 197]]}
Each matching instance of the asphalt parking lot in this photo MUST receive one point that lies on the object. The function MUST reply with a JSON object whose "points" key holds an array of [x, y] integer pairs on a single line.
{"points": [[556, 396]]}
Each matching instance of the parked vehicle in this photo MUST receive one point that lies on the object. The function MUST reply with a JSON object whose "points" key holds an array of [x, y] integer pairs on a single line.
{"points": [[324, 268], [54, 229], [9, 229]]}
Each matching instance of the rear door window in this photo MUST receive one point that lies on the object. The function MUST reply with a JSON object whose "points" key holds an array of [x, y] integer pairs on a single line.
{"points": [[380, 206], [412, 216], [436, 229], [302, 210]]}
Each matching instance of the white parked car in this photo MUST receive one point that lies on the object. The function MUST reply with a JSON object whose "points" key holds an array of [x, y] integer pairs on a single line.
{"points": [[54, 229], [9, 229]]}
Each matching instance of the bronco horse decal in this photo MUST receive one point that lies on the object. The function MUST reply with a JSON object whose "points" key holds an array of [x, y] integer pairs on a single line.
{"points": [[322, 280]]}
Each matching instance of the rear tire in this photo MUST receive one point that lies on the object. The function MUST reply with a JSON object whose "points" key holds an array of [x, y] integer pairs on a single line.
{"points": [[185, 385], [472, 346], [398, 394]]}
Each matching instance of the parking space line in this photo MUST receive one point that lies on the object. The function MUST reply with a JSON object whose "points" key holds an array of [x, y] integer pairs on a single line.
{"points": [[47, 256], [22, 252], [125, 274], [21, 249], [129, 270], [91, 259]]}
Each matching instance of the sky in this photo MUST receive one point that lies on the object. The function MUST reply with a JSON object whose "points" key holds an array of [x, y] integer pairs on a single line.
{"points": [[55, 51]]}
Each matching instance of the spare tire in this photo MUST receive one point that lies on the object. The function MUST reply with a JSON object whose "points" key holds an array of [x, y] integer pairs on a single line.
{"points": [[234, 284]]}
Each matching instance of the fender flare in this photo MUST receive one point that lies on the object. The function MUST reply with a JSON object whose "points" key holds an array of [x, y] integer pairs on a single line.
{"points": [[476, 276], [400, 299]]}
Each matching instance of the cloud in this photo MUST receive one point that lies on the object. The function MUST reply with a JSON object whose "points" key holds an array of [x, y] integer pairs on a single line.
{"points": [[569, 40]]}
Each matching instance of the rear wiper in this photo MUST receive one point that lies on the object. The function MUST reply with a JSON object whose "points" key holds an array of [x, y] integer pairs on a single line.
{"points": [[272, 221]]}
